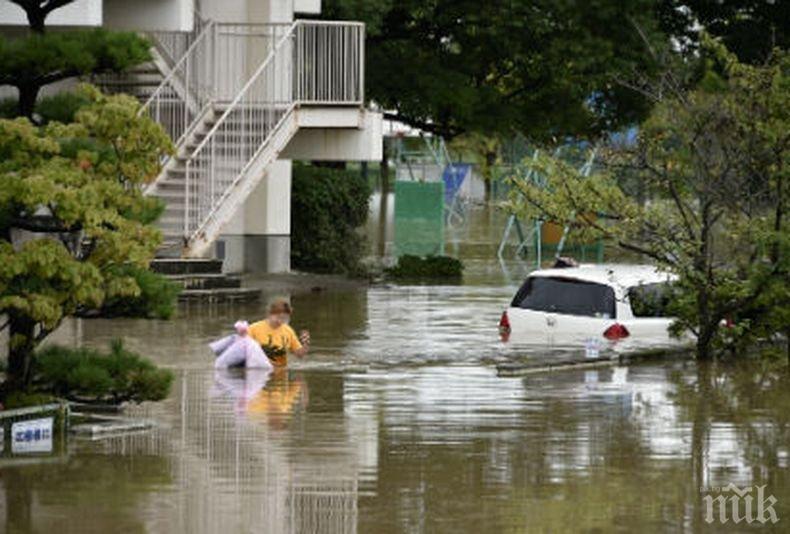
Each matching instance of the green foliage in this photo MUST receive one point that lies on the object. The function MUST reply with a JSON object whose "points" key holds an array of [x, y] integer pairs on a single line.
{"points": [[23, 399], [32, 62], [118, 376], [327, 208], [77, 188], [544, 68], [61, 107], [713, 165], [427, 268], [8, 108], [541, 67], [750, 28], [156, 298]]}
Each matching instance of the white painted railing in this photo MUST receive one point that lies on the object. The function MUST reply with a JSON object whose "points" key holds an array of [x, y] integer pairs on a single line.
{"points": [[213, 69], [185, 93], [172, 46], [313, 62], [329, 62]]}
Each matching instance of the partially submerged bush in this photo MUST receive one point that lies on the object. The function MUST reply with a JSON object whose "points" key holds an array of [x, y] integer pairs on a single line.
{"points": [[88, 375], [427, 267], [328, 206]]}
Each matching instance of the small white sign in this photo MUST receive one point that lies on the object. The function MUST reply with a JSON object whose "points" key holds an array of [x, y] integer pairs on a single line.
{"points": [[592, 348], [32, 436]]}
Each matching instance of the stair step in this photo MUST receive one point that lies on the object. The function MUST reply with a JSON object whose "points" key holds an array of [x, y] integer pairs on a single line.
{"points": [[182, 266], [131, 83], [207, 281], [242, 294]]}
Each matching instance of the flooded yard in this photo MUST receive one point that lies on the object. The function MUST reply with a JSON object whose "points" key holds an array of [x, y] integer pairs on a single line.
{"points": [[398, 421]]}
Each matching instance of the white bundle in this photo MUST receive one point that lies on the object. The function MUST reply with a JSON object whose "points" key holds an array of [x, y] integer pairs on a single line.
{"points": [[240, 349]]}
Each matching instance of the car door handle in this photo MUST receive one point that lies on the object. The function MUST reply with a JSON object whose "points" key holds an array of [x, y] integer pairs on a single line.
{"points": [[551, 321]]}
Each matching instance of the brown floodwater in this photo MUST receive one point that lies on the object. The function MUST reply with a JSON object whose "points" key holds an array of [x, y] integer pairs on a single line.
{"points": [[399, 422]]}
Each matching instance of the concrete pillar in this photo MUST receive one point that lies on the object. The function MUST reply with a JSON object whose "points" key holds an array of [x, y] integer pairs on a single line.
{"points": [[258, 238]]}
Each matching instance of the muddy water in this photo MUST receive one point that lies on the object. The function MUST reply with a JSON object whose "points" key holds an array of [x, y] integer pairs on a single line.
{"points": [[398, 422]]}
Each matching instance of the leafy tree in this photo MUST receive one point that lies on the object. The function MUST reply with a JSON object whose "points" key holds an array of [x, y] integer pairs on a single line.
{"points": [[37, 11], [72, 216], [32, 62], [540, 67], [751, 29], [713, 161]]}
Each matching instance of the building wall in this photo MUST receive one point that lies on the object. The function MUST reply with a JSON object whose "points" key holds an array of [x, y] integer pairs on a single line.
{"points": [[258, 237], [149, 15], [79, 13], [164, 15]]}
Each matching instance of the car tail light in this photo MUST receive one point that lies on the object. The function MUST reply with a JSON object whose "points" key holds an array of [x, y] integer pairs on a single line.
{"points": [[504, 323], [616, 331]]}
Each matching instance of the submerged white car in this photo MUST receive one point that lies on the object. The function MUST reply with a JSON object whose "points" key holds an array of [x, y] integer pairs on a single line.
{"points": [[591, 303]]}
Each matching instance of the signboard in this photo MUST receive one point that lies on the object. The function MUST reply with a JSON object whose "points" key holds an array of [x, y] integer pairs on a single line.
{"points": [[32, 436]]}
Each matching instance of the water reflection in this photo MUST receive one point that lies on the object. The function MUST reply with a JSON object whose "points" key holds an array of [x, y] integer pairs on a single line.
{"points": [[430, 448], [398, 422]]}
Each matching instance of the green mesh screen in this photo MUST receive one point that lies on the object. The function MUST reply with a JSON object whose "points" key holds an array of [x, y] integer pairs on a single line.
{"points": [[419, 218]]}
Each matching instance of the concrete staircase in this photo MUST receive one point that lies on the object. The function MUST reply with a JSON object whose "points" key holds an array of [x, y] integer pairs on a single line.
{"points": [[203, 281]]}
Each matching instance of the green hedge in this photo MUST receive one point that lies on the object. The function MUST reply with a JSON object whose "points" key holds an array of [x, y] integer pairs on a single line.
{"points": [[411, 267], [328, 206], [89, 375]]}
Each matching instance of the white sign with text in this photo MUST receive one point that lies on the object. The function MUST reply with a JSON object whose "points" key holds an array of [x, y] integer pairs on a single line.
{"points": [[32, 436]]}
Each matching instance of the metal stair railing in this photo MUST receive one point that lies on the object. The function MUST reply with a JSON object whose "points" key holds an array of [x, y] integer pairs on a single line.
{"points": [[172, 46], [185, 93], [211, 70], [314, 62]]}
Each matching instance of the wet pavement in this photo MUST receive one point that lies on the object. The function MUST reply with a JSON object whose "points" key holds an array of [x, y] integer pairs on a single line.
{"points": [[398, 422]]}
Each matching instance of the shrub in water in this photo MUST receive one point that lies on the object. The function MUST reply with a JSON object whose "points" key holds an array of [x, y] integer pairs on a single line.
{"points": [[86, 374], [428, 267], [328, 207]]}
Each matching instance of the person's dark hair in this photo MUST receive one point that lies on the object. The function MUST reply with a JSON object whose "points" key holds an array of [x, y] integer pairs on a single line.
{"points": [[279, 306]]}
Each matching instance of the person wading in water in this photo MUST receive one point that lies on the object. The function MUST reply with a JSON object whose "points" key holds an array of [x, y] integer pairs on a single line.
{"points": [[276, 336]]}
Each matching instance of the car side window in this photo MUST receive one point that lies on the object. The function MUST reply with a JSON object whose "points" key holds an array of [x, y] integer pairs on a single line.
{"points": [[650, 300], [566, 296]]}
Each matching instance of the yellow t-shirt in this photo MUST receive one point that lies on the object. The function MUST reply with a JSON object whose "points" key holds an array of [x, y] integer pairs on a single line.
{"points": [[276, 342]]}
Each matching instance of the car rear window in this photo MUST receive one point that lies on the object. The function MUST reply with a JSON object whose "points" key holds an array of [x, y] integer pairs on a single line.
{"points": [[566, 296], [650, 300]]}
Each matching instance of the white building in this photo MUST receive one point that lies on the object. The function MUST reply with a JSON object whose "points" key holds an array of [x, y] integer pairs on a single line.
{"points": [[243, 88]]}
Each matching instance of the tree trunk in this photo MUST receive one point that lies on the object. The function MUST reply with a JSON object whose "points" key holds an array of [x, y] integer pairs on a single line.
{"points": [[28, 94], [21, 332], [35, 19], [488, 179]]}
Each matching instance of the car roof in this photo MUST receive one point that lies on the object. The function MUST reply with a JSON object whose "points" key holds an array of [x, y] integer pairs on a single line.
{"points": [[613, 274]]}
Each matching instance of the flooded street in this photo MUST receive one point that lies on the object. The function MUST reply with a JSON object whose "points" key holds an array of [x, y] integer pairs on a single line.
{"points": [[397, 421]]}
